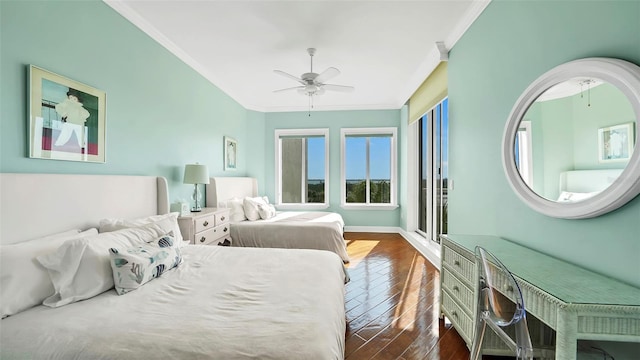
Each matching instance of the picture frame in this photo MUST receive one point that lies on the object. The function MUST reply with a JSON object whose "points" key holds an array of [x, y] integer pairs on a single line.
{"points": [[230, 153], [615, 143], [66, 118]]}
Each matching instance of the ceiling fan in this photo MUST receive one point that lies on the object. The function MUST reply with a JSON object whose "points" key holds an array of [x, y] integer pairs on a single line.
{"points": [[313, 84]]}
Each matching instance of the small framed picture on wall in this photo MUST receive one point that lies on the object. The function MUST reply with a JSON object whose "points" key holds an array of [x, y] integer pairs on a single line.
{"points": [[230, 153], [615, 143]]}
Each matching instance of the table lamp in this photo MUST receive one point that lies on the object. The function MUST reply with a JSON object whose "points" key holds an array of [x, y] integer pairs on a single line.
{"points": [[196, 174]]}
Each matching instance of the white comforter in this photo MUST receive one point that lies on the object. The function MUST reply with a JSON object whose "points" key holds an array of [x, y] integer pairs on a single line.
{"points": [[220, 303], [293, 230]]}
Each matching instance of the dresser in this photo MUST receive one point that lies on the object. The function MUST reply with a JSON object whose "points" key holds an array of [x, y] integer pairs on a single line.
{"points": [[564, 302], [207, 227]]}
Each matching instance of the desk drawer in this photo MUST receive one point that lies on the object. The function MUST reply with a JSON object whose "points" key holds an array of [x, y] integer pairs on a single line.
{"points": [[458, 290], [460, 264], [462, 322]]}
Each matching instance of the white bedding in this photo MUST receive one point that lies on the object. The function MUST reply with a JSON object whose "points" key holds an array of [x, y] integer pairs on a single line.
{"points": [[220, 303], [293, 230]]}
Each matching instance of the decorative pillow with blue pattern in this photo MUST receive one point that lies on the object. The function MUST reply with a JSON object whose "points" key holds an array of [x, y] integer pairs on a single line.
{"points": [[139, 264]]}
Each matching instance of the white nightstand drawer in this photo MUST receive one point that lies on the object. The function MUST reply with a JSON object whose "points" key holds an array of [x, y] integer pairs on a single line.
{"points": [[206, 237], [222, 217], [205, 222], [221, 230]]}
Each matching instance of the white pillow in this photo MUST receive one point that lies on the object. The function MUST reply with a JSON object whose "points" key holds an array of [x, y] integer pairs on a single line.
{"points": [[80, 268], [167, 221], [236, 212], [267, 211], [25, 283], [251, 207]]}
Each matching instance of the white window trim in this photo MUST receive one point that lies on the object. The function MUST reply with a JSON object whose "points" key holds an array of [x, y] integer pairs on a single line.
{"points": [[278, 170], [344, 132], [526, 152]]}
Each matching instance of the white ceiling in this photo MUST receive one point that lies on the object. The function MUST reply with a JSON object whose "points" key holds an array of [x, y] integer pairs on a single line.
{"points": [[385, 49]]}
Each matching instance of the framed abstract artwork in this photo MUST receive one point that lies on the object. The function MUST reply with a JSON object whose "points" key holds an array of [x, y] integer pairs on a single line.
{"points": [[66, 118], [615, 143], [230, 153]]}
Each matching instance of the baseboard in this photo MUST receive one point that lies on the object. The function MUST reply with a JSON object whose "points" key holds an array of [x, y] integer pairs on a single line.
{"points": [[429, 249], [373, 229]]}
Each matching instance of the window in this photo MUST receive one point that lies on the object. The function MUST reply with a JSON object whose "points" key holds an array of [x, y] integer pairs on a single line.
{"points": [[523, 152], [368, 174], [433, 163], [302, 168]]}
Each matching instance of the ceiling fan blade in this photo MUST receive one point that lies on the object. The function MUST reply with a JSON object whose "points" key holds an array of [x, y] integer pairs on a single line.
{"points": [[289, 76], [341, 88], [288, 89], [326, 75]]}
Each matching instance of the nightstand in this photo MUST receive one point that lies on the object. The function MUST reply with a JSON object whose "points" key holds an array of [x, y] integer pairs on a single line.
{"points": [[207, 227]]}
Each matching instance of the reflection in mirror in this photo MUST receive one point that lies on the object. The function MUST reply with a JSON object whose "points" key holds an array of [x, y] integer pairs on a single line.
{"points": [[575, 139]]}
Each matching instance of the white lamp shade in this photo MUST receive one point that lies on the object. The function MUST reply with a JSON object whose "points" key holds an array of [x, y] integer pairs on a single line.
{"points": [[196, 174]]}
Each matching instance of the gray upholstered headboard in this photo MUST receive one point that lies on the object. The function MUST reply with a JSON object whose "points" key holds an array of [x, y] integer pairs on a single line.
{"points": [[35, 205], [221, 189]]}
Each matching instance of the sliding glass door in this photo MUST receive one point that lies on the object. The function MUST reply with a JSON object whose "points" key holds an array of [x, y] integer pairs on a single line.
{"points": [[433, 170]]}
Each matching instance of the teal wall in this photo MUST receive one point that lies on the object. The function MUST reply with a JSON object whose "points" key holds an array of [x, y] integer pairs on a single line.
{"points": [[507, 47], [161, 114], [334, 121]]}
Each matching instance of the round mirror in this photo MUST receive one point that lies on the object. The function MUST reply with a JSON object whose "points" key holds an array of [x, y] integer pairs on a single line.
{"points": [[569, 144]]}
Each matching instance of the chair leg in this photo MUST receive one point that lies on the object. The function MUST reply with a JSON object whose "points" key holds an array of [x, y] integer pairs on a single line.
{"points": [[523, 340], [476, 352]]}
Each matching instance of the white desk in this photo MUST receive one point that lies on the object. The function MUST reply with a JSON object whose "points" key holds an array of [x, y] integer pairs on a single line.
{"points": [[575, 302]]}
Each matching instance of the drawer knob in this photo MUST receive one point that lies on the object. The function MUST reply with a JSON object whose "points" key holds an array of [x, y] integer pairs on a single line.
{"points": [[225, 229], [456, 263], [202, 239], [510, 288], [454, 314], [221, 218], [456, 288], [205, 223]]}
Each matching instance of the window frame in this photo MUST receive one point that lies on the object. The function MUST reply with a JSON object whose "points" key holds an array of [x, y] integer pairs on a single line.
{"points": [[525, 152], [393, 132], [278, 168]]}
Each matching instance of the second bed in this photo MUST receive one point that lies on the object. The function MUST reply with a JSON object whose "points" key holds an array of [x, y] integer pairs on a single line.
{"points": [[288, 229]]}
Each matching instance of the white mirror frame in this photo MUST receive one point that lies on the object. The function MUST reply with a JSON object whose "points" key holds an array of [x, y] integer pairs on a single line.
{"points": [[623, 75]]}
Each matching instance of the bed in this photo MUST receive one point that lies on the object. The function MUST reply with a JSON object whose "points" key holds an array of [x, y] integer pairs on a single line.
{"points": [[218, 303], [319, 230], [578, 185]]}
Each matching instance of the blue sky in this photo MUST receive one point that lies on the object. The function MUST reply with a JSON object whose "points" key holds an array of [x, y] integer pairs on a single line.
{"points": [[445, 136], [356, 158], [380, 164]]}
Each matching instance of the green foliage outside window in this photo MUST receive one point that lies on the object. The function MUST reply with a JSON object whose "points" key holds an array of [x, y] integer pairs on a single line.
{"points": [[315, 192], [380, 191]]}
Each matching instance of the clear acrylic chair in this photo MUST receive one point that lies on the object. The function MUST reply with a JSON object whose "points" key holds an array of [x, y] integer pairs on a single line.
{"points": [[500, 304]]}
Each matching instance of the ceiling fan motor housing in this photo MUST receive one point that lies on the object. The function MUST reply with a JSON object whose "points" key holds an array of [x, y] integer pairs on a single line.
{"points": [[309, 77]]}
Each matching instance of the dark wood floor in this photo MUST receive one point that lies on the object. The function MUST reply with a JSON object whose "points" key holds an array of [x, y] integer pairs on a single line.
{"points": [[392, 303]]}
